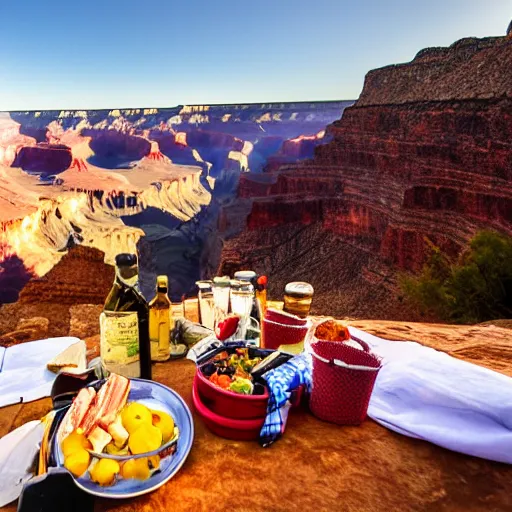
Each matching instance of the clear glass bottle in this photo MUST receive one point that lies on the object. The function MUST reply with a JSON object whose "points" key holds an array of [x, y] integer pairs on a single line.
{"points": [[220, 288], [242, 301], [124, 324], [160, 321], [206, 304]]}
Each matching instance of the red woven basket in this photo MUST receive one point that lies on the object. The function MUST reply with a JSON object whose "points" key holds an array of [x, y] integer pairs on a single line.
{"points": [[343, 380], [276, 334], [281, 328]]}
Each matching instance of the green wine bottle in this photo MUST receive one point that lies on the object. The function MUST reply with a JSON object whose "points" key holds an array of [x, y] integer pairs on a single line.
{"points": [[124, 324]]}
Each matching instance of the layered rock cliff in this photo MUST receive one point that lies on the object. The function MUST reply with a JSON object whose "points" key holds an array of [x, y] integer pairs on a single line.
{"points": [[425, 153]]}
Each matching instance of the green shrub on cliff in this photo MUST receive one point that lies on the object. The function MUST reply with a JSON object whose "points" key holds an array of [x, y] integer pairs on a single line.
{"points": [[475, 288]]}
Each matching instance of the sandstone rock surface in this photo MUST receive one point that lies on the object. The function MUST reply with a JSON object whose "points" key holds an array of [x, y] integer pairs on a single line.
{"points": [[320, 466], [84, 320]]}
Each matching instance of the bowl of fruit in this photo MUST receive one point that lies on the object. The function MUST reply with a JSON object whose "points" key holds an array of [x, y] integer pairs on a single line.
{"points": [[123, 437]]}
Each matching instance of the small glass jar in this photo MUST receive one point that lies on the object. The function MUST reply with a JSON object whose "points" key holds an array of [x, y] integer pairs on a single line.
{"points": [[220, 289], [191, 309], [297, 298], [242, 301], [249, 276], [206, 304], [242, 297]]}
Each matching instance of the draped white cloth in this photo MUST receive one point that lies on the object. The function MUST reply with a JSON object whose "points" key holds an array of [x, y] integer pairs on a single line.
{"points": [[423, 393], [23, 373]]}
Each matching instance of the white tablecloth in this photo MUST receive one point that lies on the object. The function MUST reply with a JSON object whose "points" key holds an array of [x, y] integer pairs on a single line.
{"points": [[23, 373], [423, 393]]}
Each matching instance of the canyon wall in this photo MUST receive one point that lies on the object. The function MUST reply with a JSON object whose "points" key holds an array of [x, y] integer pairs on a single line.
{"points": [[425, 154]]}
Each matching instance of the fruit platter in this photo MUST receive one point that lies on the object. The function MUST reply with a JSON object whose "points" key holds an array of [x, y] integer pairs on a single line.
{"points": [[123, 437]]}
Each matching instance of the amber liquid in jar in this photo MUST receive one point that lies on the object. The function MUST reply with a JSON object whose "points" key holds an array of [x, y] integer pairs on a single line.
{"points": [[297, 298]]}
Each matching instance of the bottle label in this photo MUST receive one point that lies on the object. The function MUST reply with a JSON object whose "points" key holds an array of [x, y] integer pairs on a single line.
{"points": [[119, 342]]}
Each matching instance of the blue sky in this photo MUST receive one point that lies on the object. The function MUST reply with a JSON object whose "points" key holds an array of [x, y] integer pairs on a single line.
{"points": [[153, 53]]}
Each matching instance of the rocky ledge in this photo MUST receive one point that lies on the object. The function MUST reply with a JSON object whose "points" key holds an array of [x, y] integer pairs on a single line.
{"points": [[366, 468]]}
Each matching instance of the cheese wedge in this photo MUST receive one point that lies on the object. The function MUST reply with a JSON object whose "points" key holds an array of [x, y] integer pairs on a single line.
{"points": [[70, 360]]}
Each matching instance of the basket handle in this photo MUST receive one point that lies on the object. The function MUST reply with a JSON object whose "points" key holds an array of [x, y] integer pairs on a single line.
{"points": [[338, 362], [363, 344]]}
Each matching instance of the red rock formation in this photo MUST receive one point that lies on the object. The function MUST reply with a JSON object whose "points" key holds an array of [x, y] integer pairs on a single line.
{"points": [[293, 150], [81, 277], [426, 152]]}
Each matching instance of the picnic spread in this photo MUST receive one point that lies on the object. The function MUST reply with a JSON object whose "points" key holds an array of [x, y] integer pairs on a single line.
{"points": [[250, 391]]}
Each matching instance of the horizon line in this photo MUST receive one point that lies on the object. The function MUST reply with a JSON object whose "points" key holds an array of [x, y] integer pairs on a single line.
{"points": [[179, 105]]}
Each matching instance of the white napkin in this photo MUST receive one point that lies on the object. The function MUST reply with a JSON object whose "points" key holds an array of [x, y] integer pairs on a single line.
{"points": [[23, 374], [17, 452]]}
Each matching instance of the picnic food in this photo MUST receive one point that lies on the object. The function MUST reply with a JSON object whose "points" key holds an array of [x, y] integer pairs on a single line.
{"points": [[331, 330], [165, 423], [134, 416], [104, 422], [104, 471], [76, 413], [69, 360], [136, 468], [78, 462], [233, 372], [74, 442], [146, 438]]}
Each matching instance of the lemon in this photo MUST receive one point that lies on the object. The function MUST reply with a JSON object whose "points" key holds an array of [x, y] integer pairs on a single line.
{"points": [[74, 442], [135, 415], [165, 423], [77, 462], [145, 439], [136, 468], [104, 472]]}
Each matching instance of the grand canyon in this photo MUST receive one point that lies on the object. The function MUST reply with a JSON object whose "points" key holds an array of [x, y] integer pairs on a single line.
{"points": [[151, 180], [344, 195]]}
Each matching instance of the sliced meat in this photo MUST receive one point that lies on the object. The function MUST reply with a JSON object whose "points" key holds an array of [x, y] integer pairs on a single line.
{"points": [[109, 401], [77, 411]]}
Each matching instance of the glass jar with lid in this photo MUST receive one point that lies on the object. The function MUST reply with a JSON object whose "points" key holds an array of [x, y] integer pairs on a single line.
{"points": [[220, 289], [242, 301], [249, 276], [298, 296], [242, 296]]}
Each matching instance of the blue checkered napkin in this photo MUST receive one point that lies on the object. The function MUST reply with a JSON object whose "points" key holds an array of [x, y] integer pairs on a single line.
{"points": [[281, 382]]}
